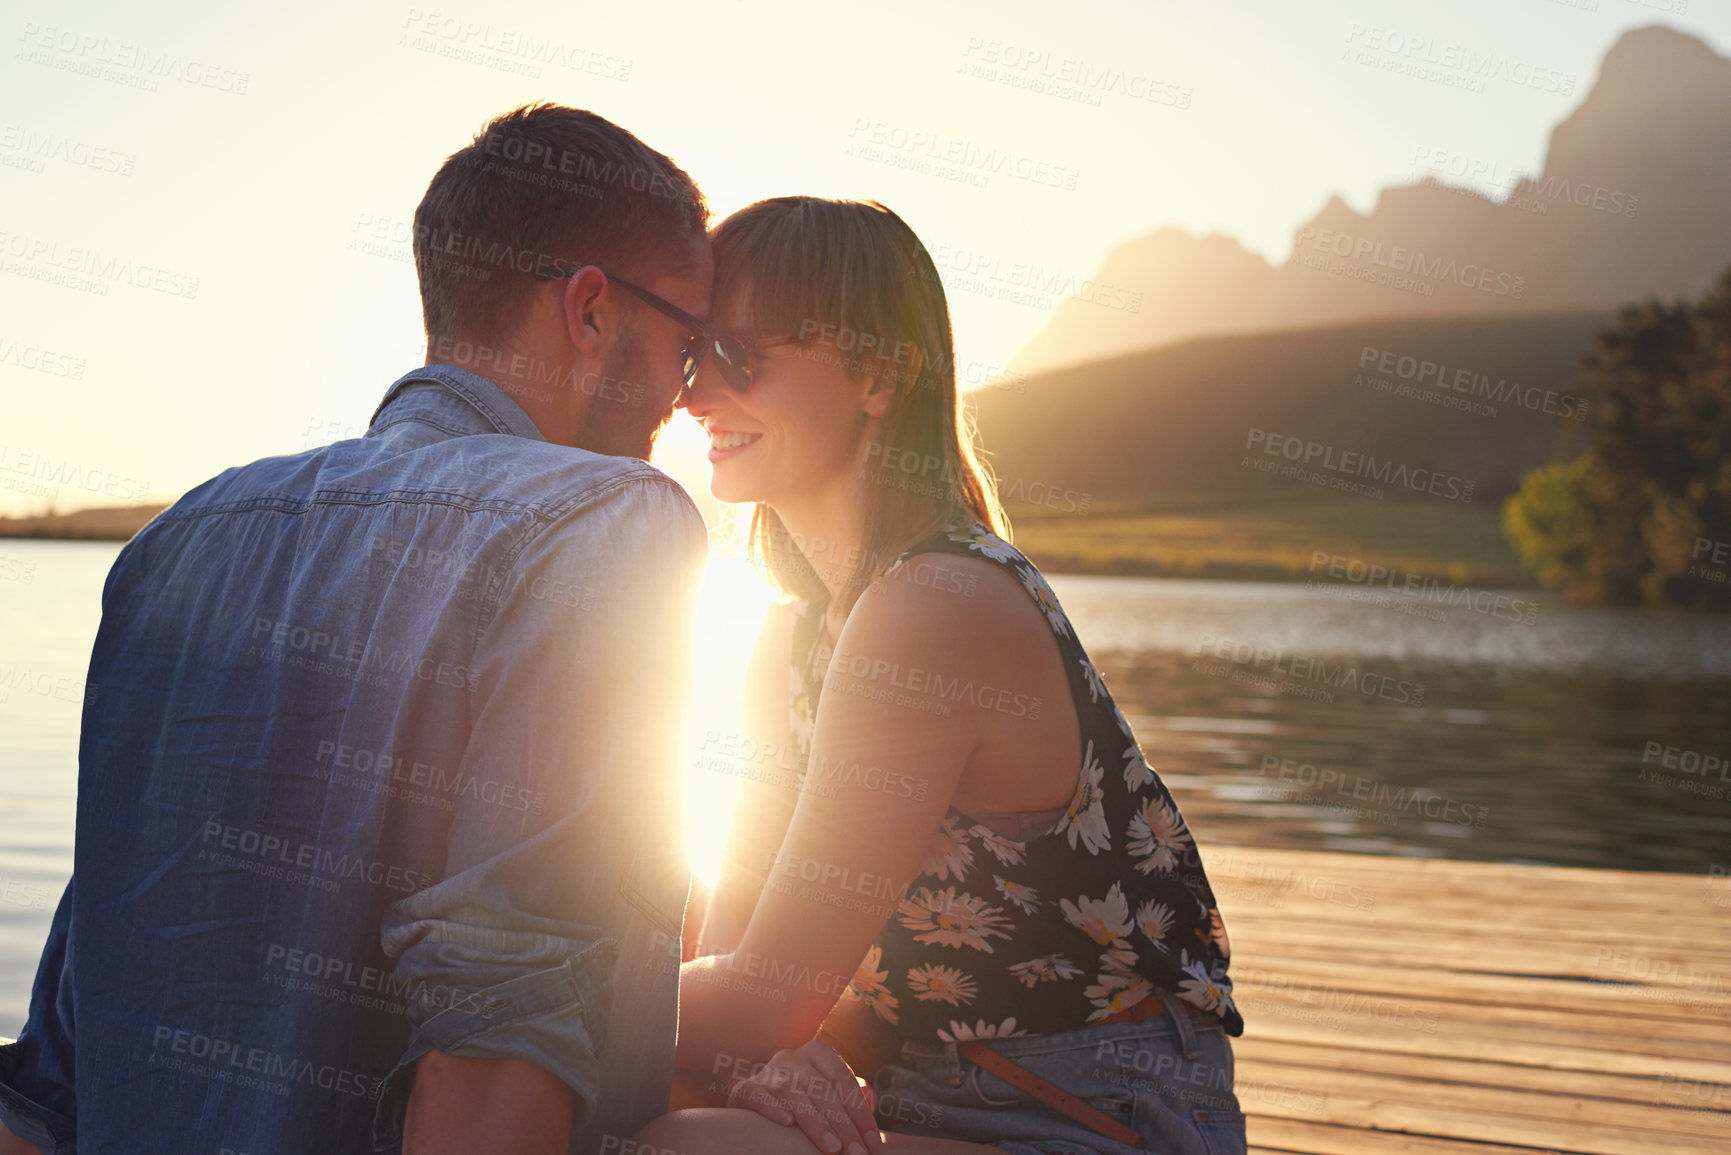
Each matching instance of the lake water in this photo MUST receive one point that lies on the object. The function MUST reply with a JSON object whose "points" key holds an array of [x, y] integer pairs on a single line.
{"points": [[1280, 716]]}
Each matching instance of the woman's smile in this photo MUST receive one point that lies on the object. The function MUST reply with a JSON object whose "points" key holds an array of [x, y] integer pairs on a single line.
{"points": [[725, 443]]}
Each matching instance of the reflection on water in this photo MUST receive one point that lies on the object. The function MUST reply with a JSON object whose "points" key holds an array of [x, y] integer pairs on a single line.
{"points": [[1375, 625], [1280, 716], [50, 601], [1285, 716]]}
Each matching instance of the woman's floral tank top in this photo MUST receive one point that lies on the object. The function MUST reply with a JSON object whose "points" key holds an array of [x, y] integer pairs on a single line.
{"points": [[998, 938]]}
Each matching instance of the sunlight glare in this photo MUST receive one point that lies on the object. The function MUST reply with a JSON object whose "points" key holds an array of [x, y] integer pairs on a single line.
{"points": [[730, 609]]}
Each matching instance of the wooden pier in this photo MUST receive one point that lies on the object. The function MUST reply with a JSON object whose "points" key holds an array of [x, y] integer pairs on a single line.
{"points": [[1432, 1007]]}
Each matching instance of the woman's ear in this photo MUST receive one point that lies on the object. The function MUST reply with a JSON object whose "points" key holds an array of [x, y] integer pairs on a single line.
{"points": [[880, 390], [881, 386]]}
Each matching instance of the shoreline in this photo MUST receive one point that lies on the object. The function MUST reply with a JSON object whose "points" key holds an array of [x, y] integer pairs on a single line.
{"points": [[102, 523], [1211, 570], [1105, 555]]}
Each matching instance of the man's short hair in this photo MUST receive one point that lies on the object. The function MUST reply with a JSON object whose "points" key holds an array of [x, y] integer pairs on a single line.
{"points": [[543, 185]]}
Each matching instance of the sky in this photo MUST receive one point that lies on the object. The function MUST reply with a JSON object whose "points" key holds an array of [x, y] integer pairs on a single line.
{"points": [[204, 207]]}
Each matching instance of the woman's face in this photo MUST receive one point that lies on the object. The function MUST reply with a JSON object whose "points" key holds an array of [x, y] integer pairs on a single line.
{"points": [[797, 432]]}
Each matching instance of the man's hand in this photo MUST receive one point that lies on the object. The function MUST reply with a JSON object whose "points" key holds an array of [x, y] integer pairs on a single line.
{"points": [[811, 1086], [460, 1106]]}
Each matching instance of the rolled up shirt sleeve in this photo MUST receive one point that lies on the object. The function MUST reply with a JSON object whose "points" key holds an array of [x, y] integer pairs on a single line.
{"points": [[575, 768]]}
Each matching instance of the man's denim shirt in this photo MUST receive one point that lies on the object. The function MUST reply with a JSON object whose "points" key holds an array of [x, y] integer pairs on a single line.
{"points": [[382, 754]]}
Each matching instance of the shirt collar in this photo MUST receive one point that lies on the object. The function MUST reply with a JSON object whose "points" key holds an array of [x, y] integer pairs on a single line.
{"points": [[491, 404]]}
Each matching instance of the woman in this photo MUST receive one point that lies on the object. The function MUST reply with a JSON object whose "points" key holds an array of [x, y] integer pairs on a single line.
{"points": [[966, 810]]}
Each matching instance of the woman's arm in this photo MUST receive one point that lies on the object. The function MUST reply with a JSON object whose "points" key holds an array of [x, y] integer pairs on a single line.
{"points": [[765, 795], [862, 1039], [885, 763]]}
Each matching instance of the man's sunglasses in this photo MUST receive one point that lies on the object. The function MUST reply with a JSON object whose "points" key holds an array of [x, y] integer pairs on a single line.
{"points": [[734, 356]]}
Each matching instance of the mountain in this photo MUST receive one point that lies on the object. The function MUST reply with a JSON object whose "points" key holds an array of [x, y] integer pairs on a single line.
{"points": [[1187, 425], [1634, 201]]}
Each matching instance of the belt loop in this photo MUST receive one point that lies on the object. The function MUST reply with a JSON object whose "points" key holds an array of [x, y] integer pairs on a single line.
{"points": [[952, 1065], [1180, 1012]]}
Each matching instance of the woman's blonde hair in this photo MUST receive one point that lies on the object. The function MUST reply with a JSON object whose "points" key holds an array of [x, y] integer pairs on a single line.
{"points": [[852, 280]]}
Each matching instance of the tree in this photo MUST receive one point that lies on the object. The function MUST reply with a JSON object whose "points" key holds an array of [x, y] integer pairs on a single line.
{"points": [[1643, 514]]}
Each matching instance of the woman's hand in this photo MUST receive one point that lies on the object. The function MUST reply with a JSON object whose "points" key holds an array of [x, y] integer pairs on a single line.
{"points": [[813, 1087]]}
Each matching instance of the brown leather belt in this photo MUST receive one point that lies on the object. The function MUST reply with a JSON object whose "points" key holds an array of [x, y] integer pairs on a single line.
{"points": [[1055, 1096]]}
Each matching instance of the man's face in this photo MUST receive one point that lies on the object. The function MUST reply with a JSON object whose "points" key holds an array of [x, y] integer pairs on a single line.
{"points": [[633, 396]]}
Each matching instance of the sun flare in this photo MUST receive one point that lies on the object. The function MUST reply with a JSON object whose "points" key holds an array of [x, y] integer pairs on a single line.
{"points": [[730, 609]]}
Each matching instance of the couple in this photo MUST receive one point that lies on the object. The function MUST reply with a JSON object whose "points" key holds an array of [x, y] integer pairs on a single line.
{"points": [[380, 815]]}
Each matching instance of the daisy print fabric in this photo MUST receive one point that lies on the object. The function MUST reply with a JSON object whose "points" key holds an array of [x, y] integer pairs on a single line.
{"points": [[1004, 939]]}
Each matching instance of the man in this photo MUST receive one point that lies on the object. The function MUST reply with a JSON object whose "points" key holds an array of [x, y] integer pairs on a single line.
{"points": [[379, 830]]}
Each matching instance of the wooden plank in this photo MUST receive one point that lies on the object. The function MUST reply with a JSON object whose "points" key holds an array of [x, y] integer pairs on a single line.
{"points": [[1656, 935], [1311, 974], [1686, 898], [1613, 891], [1657, 1048], [1561, 1057], [1703, 976], [1450, 1017], [1677, 939], [1669, 929], [1335, 1060], [1490, 873], [1671, 891], [1270, 974], [1362, 903], [1293, 1136]]}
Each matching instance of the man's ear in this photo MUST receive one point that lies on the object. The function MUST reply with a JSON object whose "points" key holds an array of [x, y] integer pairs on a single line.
{"points": [[582, 307]]}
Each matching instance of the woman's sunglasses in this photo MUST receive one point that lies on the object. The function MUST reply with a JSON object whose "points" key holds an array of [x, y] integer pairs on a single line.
{"points": [[734, 356]]}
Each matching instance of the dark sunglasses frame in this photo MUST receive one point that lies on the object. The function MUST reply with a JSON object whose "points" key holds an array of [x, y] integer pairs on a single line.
{"points": [[734, 356]]}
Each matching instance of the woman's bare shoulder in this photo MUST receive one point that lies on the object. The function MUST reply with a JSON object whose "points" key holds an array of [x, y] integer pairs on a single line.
{"points": [[975, 606]]}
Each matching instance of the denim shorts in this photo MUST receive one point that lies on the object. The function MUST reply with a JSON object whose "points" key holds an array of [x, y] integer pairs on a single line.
{"points": [[1168, 1077]]}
